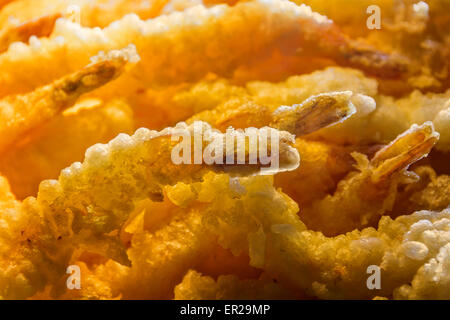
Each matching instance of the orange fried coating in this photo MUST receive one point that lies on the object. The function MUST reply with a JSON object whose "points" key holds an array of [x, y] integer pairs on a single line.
{"points": [[213, 49], [375, 185], [62, 140], [43, 232], [21, 113], [297, 149]]}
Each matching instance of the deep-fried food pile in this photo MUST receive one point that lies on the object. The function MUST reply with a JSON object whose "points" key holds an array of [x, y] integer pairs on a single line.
{"points": [[254, 149]]}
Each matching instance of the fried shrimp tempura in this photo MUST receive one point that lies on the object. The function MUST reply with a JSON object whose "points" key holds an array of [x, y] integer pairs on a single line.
{"points": [[25, 18], [363, 197], [323, 165], [378, 122], [405, 249], [250, 216], [390, 117], [329, 267], [416, 29], [313, 114], [21, 113], [42, 233], [212, 49], [40, 27]]}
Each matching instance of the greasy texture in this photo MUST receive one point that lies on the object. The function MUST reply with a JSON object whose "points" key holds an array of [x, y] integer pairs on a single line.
{"points": [[205, 42], [280, 151], [21, 113], [250, 216], [61, 141], [74, 211]]}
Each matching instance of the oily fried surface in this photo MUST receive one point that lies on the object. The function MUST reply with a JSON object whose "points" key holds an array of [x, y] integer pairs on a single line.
{"points": [[278, 242], [61, 141], [197, 287], [22, 113], [357, 121], [212, 49], [76, 210]]}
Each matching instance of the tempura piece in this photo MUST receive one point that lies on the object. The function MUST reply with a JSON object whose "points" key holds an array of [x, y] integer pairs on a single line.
{"points": [[363, 197], [129, 158], [159, 108], [399, 248], [323, 166], [391, 117], [220, 206], [205, 42], [313, 114], [41, 27], [416, 29], [21, 113], [373, 123]]}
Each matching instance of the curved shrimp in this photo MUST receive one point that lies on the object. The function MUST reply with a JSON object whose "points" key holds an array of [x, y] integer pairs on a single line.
{"points": [[364, 196], [77, 211], [208, 47], [21, 113]]}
